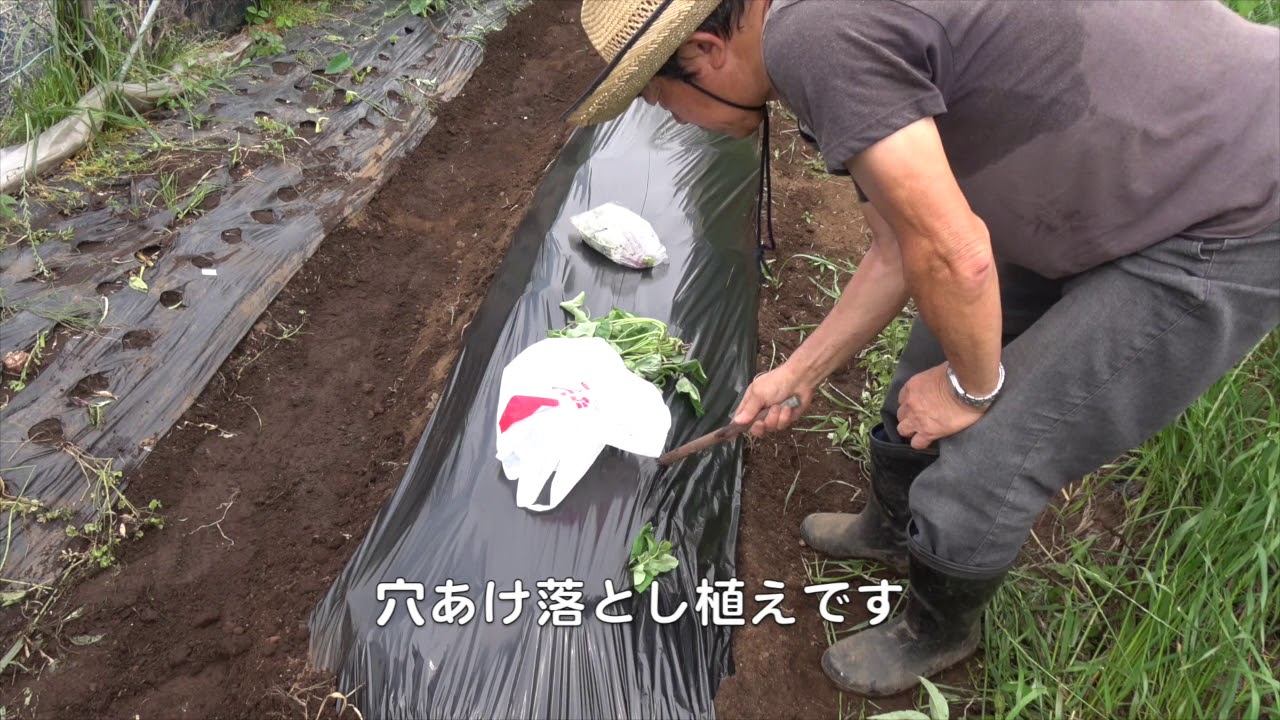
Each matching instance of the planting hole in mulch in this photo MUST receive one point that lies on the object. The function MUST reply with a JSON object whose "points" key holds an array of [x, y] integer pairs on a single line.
{"points": [[89, 386], [105, 289], [47, 432], [137, 339], [171, 299]]}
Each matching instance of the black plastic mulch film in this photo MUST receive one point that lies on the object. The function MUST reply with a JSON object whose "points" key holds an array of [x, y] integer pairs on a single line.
{"points": [[454, 517]]}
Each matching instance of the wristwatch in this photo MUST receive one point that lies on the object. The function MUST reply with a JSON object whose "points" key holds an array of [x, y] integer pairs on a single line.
{"points": [[975, 401]]}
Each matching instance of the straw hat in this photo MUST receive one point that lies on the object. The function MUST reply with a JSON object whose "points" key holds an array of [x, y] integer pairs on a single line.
{"points": [[636, 37]]}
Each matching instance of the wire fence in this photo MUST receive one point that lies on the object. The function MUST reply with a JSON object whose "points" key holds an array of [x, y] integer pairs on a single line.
{"points": [[25, 36]]}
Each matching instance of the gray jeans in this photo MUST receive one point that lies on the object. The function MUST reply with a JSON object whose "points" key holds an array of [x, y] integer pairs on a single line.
{"points": [[1095, 364]]}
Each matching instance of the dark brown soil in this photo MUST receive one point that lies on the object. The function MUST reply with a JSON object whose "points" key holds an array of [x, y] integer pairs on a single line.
{"points": [[277, 471]]}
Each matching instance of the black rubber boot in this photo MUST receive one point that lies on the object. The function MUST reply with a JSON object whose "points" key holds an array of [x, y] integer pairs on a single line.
{"points": [[939, 627], [879, 532]]}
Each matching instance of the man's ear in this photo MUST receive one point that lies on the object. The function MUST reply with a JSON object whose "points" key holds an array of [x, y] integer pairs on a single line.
{"points": [[703, 50]]}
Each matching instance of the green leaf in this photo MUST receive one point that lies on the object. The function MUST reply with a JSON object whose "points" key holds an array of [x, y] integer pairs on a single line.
{"points": [[640, 544], [644, 583], [693, 368], [663, 564], [9, 656], [900, 715], [11, 598], [649, 558], [648, 366], [338, 64], [938, 709], [1245, 8], [686, 388], [1016, 711], [82, 640], [643, 344], [137, 283]]}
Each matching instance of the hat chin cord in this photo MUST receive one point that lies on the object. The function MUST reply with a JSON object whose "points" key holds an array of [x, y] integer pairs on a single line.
{"points": [[764, 202]]}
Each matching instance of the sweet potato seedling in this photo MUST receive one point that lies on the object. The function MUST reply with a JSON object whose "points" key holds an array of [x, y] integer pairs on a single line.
{"points": [[646, 348], [649, 558]]}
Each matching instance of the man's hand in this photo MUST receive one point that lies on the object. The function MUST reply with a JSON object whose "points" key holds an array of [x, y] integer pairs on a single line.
{"points": [[770, 390], [928, 409]]}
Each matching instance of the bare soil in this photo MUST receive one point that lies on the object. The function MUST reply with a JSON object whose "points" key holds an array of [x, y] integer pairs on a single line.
{"points": [[280, 467]]}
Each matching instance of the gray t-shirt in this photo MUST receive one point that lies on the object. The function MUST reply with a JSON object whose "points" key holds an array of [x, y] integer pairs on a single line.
{"points": [[1080, 131]]}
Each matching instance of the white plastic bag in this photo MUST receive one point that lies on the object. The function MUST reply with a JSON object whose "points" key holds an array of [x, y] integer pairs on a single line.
{"points": [[561, 401], [623, 236]]}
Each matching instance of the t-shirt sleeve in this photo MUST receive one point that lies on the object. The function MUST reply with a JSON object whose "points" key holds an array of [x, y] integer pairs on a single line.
{"points": [[855, 72]]}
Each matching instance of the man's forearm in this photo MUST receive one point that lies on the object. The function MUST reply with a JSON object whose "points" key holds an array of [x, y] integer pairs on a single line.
{"points": [[946, 249], [959, 298], [873, 296]]}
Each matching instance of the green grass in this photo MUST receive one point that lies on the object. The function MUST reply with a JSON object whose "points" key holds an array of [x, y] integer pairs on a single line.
{"points": [[849, 429], [1174, 614], [1266, 12], [1181, 618], [81, 55]]}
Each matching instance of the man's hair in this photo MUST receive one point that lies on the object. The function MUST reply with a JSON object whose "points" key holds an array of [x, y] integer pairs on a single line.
{"points": [[722, 22]]}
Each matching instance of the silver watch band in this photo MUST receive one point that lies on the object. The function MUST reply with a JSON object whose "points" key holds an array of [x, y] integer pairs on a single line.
{"points": [[980, 402]]}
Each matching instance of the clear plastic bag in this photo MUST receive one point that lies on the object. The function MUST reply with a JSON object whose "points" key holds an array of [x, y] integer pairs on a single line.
{"points": [[621, 235]]}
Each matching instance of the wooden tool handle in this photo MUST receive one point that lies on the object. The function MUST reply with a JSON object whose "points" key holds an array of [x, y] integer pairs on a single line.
{"points": [[724, 434]]}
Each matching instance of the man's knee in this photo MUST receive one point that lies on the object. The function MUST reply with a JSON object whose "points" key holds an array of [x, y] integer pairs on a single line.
{"points": [[973, 515]]}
